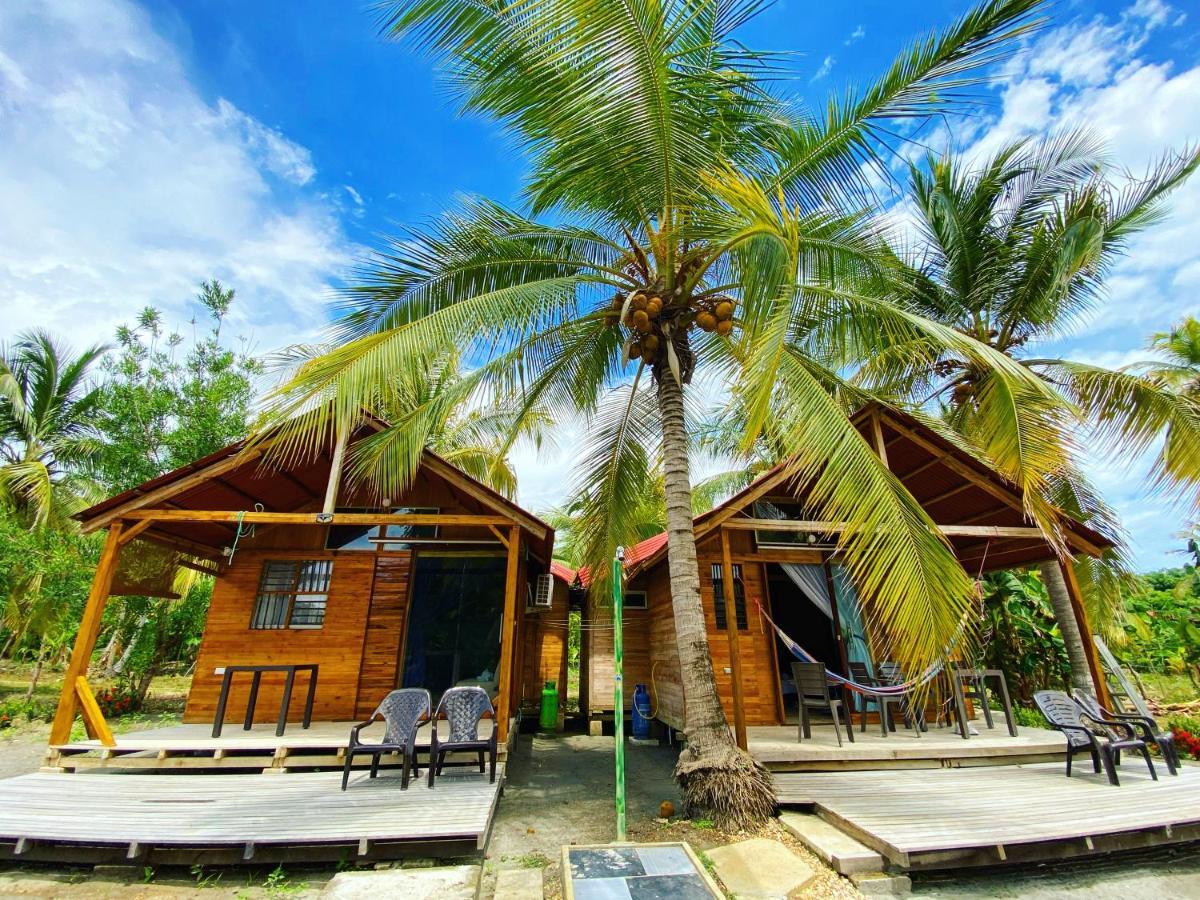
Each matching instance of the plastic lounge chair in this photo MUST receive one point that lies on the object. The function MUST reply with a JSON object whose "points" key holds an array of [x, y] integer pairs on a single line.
{"points": [[403, 711], [462, 708], [890, 673], [1104, 745], [1147, 726], [812, 692]]}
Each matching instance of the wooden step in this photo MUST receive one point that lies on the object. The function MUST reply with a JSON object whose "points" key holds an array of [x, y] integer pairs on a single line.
{"points": [[836, 848]]}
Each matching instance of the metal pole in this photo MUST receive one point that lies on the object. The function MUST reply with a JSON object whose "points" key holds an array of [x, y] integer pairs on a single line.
{"points": [[618, 690]]}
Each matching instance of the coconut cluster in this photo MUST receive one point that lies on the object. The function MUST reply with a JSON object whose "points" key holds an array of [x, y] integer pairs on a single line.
{"points": [[641, 317], [716, 315]]}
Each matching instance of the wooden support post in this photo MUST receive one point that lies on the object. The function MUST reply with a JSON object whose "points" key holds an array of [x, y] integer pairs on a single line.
{"points": [[731, 630], [93, 718], [89, 630], [877, 437], [335, 470], [1085, 633], [508, 626]]}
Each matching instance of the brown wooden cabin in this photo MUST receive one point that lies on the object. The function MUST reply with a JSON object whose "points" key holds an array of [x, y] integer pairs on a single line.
{"points": [[977, 510], [429, 588]]}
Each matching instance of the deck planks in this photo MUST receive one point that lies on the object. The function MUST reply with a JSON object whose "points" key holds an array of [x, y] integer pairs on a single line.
{"points": [[916, 816], [229, 810]]}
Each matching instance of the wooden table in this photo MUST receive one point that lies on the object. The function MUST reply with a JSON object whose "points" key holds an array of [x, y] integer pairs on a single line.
{"points": [[257, 672], [981, 677]]}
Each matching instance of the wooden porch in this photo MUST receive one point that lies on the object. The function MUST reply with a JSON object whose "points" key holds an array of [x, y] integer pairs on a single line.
{"points": [[776, 747], [228, 819], [994, 815], [191, 747]]}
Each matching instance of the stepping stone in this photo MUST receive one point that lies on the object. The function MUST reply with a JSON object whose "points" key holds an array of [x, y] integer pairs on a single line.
{"points": [[832, 845], [445, 883], [876, 884], [519, 884], [760, 869]]}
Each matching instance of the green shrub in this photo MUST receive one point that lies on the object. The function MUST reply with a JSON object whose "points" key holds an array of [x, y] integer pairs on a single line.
{"points": [[19, 709], [1029, 717]]}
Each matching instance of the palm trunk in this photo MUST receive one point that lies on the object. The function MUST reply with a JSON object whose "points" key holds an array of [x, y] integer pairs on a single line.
{"points": [[1060, 600], [714, 774], [37, 673]]}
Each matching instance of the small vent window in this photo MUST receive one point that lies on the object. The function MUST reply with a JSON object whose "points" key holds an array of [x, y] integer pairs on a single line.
{"points": [[739, 597], [292, 593]]}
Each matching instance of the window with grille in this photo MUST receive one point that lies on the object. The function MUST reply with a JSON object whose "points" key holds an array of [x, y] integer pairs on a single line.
{"points": [[292, 594], [739, 597]]}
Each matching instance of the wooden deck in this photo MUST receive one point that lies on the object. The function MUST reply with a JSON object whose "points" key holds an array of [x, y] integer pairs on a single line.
{"points": [[234, 818], [192, 747], [777, 748], [949, 818]]}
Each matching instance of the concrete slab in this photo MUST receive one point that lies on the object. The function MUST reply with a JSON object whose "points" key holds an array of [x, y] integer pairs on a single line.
{"points": [[843, 853], [760, 869], [876, 884], [519, 884], [444, 883]]}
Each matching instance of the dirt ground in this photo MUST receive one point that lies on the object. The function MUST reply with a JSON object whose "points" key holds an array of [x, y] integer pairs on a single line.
{"points": [[560, 791]]}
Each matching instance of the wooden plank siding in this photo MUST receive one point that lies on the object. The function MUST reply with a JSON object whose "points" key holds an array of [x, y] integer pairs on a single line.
{"points": [[651, 655], [545, 649], [383, 643]]}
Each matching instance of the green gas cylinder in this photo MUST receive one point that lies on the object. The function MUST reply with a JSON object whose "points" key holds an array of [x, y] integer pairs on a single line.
{"points": [[548, 719]]}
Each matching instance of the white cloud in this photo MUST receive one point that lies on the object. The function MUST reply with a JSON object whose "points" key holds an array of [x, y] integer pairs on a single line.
{"points": [[855, 36], [122, 186], [1094, 75], [824, 70]]}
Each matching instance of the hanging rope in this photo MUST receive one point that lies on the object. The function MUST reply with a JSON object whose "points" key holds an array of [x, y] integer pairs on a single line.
{"points": [[889, 690], [242, 529]]}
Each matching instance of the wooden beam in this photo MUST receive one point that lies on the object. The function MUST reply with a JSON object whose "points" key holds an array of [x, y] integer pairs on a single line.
{"points": [[507, 629], [499, 535], [234, 489], [296, 482], [1085, 633], [312, 518], [735, 652], [85, 639], [93, 718], [945, 495], [779, 710], [334, 482], [821, 527], [473, 489], [877, 437], [195, 548], [128, 534]]}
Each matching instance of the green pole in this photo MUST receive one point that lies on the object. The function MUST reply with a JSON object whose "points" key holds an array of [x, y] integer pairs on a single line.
{"points": [[618, 690]]}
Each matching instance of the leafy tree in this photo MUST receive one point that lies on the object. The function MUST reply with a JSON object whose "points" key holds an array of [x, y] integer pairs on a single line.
{"points": [[1179, 365], [1022, 635], [702, 219], [48, 413], [165, 406], [1014, 250]]}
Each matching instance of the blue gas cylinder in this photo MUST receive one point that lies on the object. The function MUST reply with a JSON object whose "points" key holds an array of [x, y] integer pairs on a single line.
{"points": [[641, 712]]}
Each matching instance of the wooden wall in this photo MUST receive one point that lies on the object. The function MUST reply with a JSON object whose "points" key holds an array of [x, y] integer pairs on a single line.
{"points": [[599, 640], [650, 643], [545, 650], [360, 646]]}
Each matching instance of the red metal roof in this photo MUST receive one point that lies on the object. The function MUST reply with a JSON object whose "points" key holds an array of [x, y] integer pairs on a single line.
{"points": [[562, 570]]}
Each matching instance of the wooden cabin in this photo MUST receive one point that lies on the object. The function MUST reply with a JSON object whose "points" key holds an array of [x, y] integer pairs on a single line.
{"points": [[443, 584], [762, 535]]}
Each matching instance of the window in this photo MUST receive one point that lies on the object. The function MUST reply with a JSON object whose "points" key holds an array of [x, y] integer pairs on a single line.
{"points": [[371, 537], [292, 594], [635, 600], [739, 597]]}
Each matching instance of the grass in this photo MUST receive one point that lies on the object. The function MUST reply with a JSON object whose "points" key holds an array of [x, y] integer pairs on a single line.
{"points": [[1169, 688]]}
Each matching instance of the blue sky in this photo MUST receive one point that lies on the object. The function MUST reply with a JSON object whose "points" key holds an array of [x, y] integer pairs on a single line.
{"points": [[145, 146]]}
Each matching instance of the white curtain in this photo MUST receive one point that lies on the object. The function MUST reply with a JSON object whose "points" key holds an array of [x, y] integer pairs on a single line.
{"points": [[810, 578]]}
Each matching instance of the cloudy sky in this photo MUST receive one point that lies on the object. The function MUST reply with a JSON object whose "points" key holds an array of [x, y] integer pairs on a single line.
{"points": [[144, 147]]}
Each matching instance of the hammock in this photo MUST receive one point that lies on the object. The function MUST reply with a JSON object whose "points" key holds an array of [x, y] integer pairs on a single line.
{"points": [[889, 690]]}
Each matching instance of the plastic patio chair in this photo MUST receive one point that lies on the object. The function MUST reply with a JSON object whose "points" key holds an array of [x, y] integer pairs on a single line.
{"points": [[402, 710], [463, 708], [812, 692], [1104, 744], [1148, 727], [890, 674]]}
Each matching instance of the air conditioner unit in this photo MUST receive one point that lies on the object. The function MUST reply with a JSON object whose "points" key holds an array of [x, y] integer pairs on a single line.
{"points": [[542, 592]]}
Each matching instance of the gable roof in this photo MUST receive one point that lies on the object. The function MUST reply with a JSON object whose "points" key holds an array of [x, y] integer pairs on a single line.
{"points": [[953, 485], [235, 478]]}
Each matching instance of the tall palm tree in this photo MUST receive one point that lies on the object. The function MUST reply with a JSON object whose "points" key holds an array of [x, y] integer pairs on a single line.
{"points": [[678, 213], [1013, 250], [1178, 364], [47, 427]]}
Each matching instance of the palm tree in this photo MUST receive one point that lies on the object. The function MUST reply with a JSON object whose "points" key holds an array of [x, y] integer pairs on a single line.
{"points": [[1179, 363], [47, 427], [1013, 250], [679, 213]]}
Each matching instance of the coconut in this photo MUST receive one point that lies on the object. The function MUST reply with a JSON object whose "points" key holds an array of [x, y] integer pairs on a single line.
{"points": [[638, 302], [654, 307], [635, 351], [724, 327], [649, 344], [706, 320], [724, 310], [641, 321]]}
